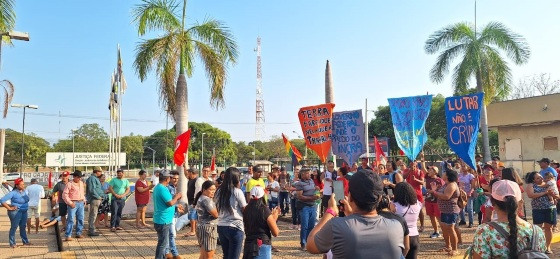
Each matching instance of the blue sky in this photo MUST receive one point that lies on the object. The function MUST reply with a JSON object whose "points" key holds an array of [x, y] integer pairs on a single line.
{"points": [[375, 49]]}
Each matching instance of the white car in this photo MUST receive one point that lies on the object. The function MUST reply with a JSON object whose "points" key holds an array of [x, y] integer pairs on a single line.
{"points": [[11, 176]]}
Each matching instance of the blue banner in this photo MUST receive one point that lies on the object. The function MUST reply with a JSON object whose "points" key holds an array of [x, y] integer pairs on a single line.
{"points": [[348, 135], [409, 116], [463, 120]]}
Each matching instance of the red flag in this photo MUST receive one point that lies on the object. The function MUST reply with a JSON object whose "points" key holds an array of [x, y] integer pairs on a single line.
{"points": [[401, 152], [181, 147], [213, 165], [50, 180], [380, 157]]}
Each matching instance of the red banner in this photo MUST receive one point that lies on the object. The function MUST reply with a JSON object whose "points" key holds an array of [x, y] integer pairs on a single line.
{"points": [[316, 124], [181, 147]]}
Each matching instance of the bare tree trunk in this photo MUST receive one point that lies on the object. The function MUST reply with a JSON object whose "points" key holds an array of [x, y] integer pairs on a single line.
{"points": [[329, 97], [483, 122], [181, 126], [2, 145]]}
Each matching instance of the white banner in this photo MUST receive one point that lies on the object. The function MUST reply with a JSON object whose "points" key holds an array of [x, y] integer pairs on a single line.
{"points": [[65, 159]]}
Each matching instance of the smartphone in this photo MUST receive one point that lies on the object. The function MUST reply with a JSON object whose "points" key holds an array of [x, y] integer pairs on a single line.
{"points": [[338, 190]]}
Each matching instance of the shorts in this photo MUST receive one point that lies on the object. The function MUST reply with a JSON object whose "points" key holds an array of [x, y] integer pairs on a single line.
{"points": [[192, 214], [432, 209], [449, 218], [141, 205], [62, 209], [544, 216], [207, 236], [33, 211]]}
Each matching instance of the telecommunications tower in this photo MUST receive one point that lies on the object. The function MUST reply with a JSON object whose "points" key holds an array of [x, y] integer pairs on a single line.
{"points": [[259, 125]]}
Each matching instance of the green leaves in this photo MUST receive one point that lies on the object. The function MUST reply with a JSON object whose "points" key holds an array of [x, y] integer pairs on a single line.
{"points": [[156, 15], [7, 17]]}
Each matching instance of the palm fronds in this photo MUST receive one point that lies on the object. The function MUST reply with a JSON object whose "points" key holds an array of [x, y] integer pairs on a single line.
{"points": [[9, 90]]}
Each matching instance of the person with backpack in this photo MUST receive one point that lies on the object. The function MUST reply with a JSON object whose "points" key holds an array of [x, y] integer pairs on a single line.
{"points": [[509, 236], [447, 197]]}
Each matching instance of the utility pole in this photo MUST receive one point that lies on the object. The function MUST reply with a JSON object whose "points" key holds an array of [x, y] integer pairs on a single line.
{"points": [[24, 106]]}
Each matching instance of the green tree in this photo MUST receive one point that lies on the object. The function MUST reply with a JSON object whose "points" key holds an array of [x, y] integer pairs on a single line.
{"points": [[157, 141], [35, 150], [211, 41], [480, 58], [87, 138], [132, 145], [214, 139]]}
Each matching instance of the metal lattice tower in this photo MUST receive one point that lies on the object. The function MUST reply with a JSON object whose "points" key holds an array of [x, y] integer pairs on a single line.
{"points": [[259, 125]]}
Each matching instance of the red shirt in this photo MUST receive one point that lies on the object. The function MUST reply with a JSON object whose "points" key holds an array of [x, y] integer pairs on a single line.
{"points": [[318, 183], [142, 198], [416, 185]]}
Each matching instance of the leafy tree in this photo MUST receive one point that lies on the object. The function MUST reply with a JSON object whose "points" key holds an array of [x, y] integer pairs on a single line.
{"points": [[35, 150], [214, 139], [481, 59], [157, 141], [87, 138], [133, 147], [210, 41]]}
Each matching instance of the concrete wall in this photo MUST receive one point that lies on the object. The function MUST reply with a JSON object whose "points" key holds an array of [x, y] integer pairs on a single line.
{"points": [[531, 142], [525, 111]]}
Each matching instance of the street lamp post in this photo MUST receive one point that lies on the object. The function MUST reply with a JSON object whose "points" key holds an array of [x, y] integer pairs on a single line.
{"points": [[24, 106], [73, 151], [202, 153], [305, 158], [153, 159]]}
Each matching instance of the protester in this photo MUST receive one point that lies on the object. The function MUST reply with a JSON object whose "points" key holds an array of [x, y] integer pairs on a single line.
{"points": [[58, 189], [220, 179], [171, 249], [383, 209], [283, 195], [254, 181], [53, 220], [17, 212], [544, 211], [545, 167], [447, 196], [35, 192], [327, 178], [260, 225], [509, 235], [467, 183], [306, 197], [205, 177], [511, 174], [206, 230], [94, 196], [432, 209], [105, 207], [393, 177], [192, 214], [74, 196], [230, 202], [363, 233], [164, 210], [364, 165], [415, 177], [296, 217], [406, 205], [244, 179], [273, 188], [142, 198], [155, 177], [119, 188]]}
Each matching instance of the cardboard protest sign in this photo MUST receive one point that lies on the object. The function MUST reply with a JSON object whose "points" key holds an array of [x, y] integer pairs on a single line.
{"points": [[463, 120], [348, 140], [409, 116], [316, 124]]}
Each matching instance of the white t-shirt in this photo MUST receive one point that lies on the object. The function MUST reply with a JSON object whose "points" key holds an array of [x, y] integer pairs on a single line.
{"points": [[274, 185], [35, 193], [199, 182], [327, 186], [155, 180], [410, 215]]}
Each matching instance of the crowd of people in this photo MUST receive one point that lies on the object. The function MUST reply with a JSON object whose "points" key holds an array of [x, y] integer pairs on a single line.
{"points": [[380, 212]]}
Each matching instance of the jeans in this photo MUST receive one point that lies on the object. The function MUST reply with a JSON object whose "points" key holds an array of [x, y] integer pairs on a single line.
{"points": [[469, 209], [296, 219], [231, 239], [284, 199], [272, 202], [308, 215], [76, 213], [163, 231], [172, 247], [93, 208], [18, 218], [265, 252], [117, 206]]}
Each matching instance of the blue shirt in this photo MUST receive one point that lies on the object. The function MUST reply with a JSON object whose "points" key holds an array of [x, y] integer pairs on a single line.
{"points": [[163, 213], [18, 199], [172, 190], [549, 169]]}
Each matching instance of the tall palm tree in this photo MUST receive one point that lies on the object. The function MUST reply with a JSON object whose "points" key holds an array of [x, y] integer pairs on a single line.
{"points": [[481, 58], [173, 55], [7, 24]]}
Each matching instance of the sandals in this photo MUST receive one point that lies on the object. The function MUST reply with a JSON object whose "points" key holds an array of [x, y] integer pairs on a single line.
{"points": [[119, 228], [444, 249], [548, 252], [453, 253]]}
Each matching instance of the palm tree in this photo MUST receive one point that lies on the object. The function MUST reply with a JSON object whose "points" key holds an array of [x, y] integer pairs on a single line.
{"points": [[174, 52], [480, 58]]}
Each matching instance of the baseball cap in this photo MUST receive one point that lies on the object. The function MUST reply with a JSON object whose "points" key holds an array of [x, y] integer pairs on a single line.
{"points": [[435, 168], [503, 188], [77, 173], [65, 173], [257, 169], [366, 186], [257, 192], [487, 166], [214, 172], [165, 173], [18, 181], [34, 180], [501, 164], [545, 160]]}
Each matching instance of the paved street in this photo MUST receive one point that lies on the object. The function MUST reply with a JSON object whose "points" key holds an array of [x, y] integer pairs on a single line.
{"points": [[140, 243]]}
